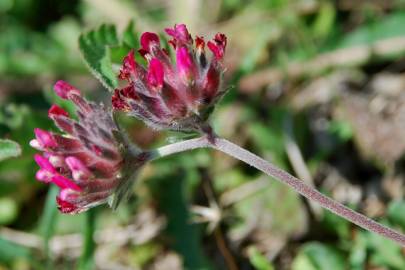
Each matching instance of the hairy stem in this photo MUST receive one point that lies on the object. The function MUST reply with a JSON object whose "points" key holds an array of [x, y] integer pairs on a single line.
{"points": [[238, 152]]}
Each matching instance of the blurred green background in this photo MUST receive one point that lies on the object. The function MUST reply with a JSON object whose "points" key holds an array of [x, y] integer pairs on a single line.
{"points": [[318, 88]]}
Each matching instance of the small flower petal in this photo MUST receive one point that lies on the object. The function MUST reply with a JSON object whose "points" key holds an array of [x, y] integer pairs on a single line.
{"points": [[218, 45], [44, 163], [55, 110], [180, 34], [64, 90], [45, 138], [184, 62], [155, 73], [78, 169], [149, 39], [65, 183]]}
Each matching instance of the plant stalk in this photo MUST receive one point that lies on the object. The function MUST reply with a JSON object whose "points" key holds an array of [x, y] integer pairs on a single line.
{"points": [[298, 185]]}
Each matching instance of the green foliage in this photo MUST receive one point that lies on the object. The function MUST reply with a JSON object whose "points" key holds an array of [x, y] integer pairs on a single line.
{"points": [[87, 259], [317, 256], [48, 220], [386, 253], [95, 47], [8, 210], [9, 149], [10, 252], [388, 27], [170, 191], [396, 212], [259, 261]]}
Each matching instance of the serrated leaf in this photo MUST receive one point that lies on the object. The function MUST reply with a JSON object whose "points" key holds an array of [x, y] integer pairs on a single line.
{"points": [[9, 149], [94, 46], [129, 37]]}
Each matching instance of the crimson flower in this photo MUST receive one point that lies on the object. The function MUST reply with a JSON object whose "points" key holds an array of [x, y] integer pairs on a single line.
{"points": [[89, 162], [176, 96]]}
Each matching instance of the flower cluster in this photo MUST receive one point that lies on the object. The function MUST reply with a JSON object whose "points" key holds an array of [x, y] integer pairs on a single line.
{"points": [[176, 96], [92, 162], [86, 162]]}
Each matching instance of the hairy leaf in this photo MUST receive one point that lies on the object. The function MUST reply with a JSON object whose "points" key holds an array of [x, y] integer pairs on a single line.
{"points": [[94, 46]]}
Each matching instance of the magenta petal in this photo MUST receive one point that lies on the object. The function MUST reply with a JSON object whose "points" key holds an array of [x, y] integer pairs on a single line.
{"points": [[63, 89], [184, 62], [44, 163], [180, 34], [64, 182], [155, 73], [147, 39], [44, 176], [78, 169], [45, 138]]}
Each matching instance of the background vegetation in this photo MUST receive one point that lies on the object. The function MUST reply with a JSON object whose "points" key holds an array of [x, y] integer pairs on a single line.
{"points": [[318, 89]]}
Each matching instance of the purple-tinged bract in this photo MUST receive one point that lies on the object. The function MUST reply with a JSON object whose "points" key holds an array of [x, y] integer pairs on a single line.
{"points": [[89, 162], [176, 96]]}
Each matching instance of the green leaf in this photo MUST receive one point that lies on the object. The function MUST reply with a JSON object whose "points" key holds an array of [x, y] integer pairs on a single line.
{"points": [[396, 212], [130, 37], [185, 237], [325, 19], [48, 220], [386, 252], [388, 27], [89, 245], [9, 149], [10, 251], [94, 46], [8, 210], [259, 261], [317, 256]]}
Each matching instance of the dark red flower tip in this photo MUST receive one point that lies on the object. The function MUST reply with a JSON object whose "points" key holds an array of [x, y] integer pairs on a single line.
{"points": [[64, 90], [155, 73], [66, 207], [128, 66], [55, 110], [218, 45], [180, 34], [148, 39], [118, 103], [199, 43]]}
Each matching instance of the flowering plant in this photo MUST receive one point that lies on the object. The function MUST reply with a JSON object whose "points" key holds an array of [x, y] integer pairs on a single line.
{"points": [[94, 162]]}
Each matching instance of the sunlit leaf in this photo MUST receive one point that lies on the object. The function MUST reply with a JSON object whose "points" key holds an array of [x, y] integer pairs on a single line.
{"points": [[9, 149], [317, 256], [259, 261]]}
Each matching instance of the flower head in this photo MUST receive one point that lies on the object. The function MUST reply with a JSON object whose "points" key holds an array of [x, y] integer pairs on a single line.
{"points": [[176, 96], [89, 161]]}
